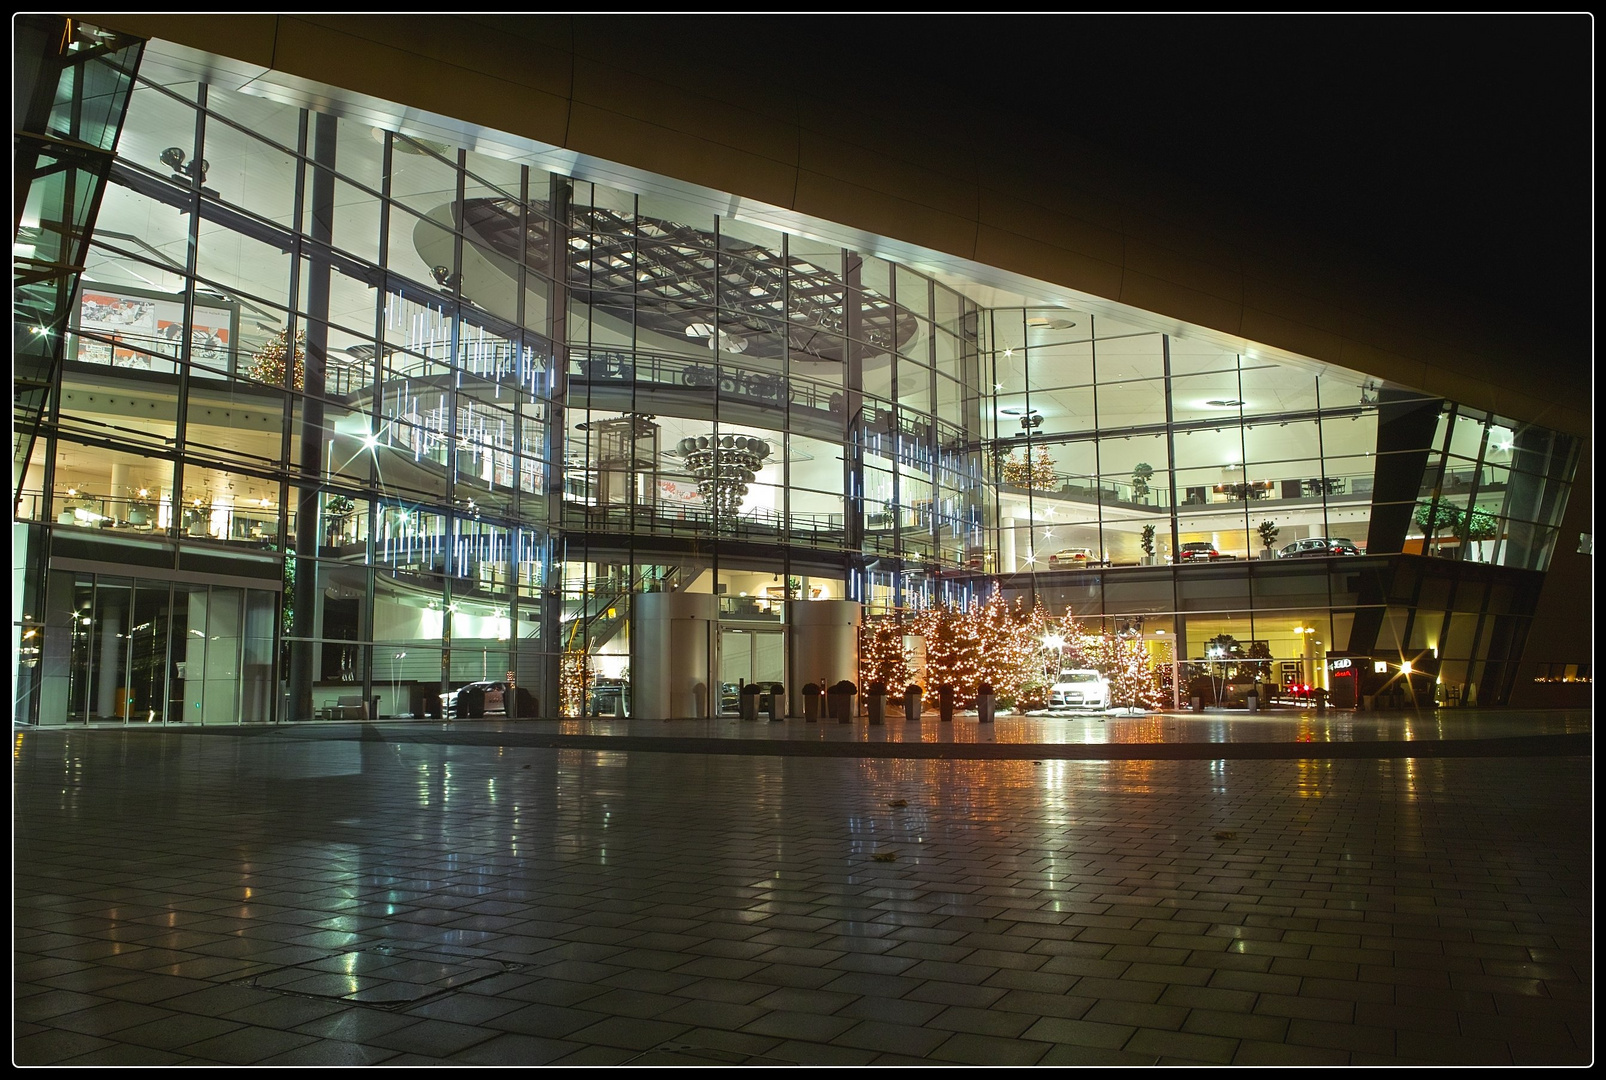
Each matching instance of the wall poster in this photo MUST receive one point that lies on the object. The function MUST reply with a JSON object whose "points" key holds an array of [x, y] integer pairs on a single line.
{"points": [[125, 327]]}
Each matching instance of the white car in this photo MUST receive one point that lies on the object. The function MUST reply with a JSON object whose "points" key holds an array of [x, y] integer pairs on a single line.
{"points": [[1080, 689], [1072, 559]]}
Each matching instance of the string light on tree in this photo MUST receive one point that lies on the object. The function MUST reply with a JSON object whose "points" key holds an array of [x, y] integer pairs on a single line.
{"points": [[268, 364], [883, 656], [1030, 472]]}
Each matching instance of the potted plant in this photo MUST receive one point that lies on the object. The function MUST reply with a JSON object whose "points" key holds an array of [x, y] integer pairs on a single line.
{"points": [[1146, 541], [1142, 473], [840, 698], [1480, 525], [747, 701], [1268, 537], [945, 701], [876, 699], [912, 695], [984, 703], [811, 703]]}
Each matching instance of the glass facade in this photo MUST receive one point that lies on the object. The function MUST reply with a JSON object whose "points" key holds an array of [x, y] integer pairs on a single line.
{"points": [[343, 419]]}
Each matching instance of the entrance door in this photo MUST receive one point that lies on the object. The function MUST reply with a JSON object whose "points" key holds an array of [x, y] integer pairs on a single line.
{"points": [[748, 656]]}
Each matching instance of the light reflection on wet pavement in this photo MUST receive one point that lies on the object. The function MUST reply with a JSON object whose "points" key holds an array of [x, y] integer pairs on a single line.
{"points": [[545, 892]]}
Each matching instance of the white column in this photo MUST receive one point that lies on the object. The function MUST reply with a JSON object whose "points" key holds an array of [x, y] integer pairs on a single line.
{"points": [[825, 646], [670, 655], [120, 491], [1006, 544]]}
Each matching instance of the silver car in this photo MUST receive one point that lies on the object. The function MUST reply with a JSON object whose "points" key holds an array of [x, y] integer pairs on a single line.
{"points": [[1317, 547]]}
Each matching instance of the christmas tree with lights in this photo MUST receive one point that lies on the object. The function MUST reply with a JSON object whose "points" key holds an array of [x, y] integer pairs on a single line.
{"points": [[268, 365], [1029, 472], [574, 681], [883, 657], [953, 650]]}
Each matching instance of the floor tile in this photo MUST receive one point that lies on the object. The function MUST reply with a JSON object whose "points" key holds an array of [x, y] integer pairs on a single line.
{"points": [[1043, 926]]}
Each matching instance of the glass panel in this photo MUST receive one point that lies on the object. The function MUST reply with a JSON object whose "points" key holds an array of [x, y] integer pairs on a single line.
{"points": [[147, 647], [246, 172], [1215, 397], [422, 181], [1276, 391], [109, 694], [81, 636]]}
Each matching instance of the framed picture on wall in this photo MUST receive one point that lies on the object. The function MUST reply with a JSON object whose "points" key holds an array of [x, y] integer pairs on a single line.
{"points": [[144, 330]]}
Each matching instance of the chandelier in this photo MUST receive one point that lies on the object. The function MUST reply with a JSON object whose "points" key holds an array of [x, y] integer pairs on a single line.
{"points": [[724, 465]]}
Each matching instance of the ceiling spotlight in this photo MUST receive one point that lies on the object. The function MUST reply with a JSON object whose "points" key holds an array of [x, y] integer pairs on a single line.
{"points": [[444, 277]]}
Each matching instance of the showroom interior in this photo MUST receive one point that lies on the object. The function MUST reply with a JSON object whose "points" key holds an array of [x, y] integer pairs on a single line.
{"points": [[321, 414]]}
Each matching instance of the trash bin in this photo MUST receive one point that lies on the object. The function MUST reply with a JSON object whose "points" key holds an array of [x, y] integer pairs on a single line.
{"points": [[1196, 703], [945, 702], [1252, 702], [984, 703], [875, 700]]}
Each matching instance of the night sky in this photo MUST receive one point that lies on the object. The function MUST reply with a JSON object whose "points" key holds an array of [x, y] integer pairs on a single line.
{"points": [[1459, 147]]}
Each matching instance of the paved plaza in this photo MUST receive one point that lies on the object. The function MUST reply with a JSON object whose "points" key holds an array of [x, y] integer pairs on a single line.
{"points": [[1290, 888]]}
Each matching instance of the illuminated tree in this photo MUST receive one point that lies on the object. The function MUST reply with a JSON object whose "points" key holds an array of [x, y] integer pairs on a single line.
{"points": [[953, 650], [268, 364], [1164, 676], [883, 656], [574, 680], [1029, 472], [1133, 681]]}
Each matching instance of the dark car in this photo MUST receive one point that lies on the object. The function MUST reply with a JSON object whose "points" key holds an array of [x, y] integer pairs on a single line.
{"points": [[475, 700], [608, 697], [1318, 546], [1198, 552]]}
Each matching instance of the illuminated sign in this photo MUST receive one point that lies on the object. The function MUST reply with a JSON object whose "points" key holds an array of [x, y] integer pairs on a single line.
{"points": [[1341, 664], [1380, 665]]}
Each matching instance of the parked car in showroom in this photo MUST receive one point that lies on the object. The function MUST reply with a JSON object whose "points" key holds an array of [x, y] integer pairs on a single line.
{"points": [[1317, 546], [1198, 551], [1080, 688], [475, 700], [1073, 559]]}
